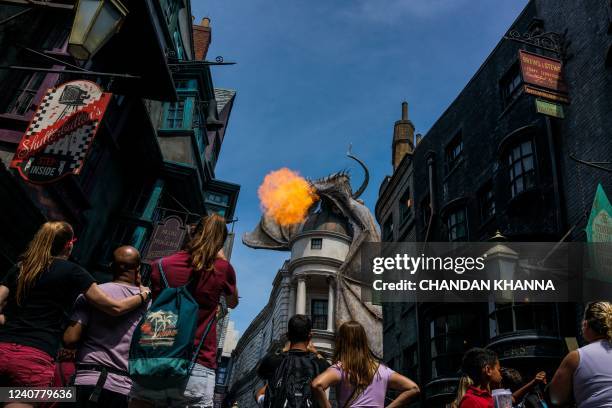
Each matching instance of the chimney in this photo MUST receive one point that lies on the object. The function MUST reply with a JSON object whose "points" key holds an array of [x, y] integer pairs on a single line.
{"points": [[403, 137], [202, 38], [418, 138]]}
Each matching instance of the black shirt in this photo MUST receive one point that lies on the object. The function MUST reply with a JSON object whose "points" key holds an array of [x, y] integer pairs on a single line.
{"points": [[40, 319], [273, 359]]}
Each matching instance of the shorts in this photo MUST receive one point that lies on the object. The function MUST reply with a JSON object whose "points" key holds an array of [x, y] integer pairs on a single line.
{"points": [[198, 391], [25, 366]]}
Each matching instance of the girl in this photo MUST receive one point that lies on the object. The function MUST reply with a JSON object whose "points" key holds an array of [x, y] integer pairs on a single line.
{"points": [[360, 379]]}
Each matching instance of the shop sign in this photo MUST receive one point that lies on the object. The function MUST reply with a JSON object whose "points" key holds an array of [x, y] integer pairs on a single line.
{"points": [[549, 108], [61, 132], [167, 238], [543, 76]]}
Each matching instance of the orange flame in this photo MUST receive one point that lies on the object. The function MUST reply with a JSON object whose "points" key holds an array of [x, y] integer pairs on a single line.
{"points": [[286, 196]]}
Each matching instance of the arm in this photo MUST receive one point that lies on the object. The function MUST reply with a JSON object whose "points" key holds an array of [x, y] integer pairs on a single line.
{"points": [[4, 292], [108, 305], [561, 386], [321, 383], [519, 394], [408, 388], [232, 300], [73, 334]]}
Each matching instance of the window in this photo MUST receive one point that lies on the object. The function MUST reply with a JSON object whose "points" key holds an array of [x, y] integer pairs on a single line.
{"points": [[521, 167], [387, 233], [316, 243], [169, 8], [178, 43], [513, 317], [221, 373], [453, 151], [511, 84], [318, 310], [405, 206], [217, 202], [450, 336], [486, 202], [175, 114], [23, 99], [457, 225]]}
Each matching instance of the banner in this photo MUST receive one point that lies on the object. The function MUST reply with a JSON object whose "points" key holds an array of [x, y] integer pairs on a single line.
{"points": [[61, 132]]}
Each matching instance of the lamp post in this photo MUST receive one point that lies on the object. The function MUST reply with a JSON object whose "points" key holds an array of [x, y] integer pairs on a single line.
{"points": [[95, 22]]}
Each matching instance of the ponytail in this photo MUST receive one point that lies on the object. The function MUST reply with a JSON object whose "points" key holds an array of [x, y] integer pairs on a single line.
{"points": [[50, 241], [598, 316]]}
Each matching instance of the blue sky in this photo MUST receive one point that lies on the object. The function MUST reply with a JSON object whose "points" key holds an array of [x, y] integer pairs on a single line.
{"points": [[313, 76]]}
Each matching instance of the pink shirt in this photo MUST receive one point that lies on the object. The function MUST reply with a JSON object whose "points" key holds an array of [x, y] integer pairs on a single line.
{"points": [[372, 396]]}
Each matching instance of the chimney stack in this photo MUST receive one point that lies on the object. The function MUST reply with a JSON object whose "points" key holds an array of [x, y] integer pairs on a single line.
{"points": [[202, 37], [403, 137]]}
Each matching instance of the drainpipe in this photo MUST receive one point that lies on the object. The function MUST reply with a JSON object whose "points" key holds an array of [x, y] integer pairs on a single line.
{"points": [[555, 174]]}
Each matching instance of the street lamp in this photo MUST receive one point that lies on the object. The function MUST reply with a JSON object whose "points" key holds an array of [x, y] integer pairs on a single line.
{"points": [[95, 22]]}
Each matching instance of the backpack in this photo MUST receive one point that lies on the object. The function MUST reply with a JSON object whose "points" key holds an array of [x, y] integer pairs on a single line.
{"points": [[290, 384], [161, 351]]}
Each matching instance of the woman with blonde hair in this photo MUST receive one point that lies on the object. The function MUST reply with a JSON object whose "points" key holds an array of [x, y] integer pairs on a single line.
{"points": [[464, 383], [360, 379], [203, 267], [586, 374], [35, 297]]}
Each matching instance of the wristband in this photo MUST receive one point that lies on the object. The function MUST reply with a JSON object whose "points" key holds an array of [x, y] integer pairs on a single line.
{"points": [[142, 299]]}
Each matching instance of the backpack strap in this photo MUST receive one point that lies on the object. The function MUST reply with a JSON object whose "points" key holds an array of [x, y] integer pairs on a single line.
{"points": [[204, 335], [161, 272]]}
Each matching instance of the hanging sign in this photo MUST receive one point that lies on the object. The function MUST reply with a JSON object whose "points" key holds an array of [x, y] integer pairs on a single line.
{"points": [[599, 226], [549, 108], [543, 76], [167, 238], [61, 132]]}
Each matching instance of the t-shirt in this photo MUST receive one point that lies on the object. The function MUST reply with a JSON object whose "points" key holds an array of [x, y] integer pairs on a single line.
{"points": [[271, 361], [208, 290], [372, 396], [106, 339], [40, 320], [476, 398]]}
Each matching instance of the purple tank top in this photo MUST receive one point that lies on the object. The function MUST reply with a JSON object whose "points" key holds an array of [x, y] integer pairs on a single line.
{"points": [[372, 396], [593, 377]]}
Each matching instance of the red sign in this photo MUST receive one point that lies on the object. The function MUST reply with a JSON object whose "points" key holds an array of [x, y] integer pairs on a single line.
{"points": [[542, 72], [61, 132]]}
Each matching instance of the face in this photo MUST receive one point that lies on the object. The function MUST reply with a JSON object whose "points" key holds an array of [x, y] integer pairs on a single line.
{"points": [[494, 373]]}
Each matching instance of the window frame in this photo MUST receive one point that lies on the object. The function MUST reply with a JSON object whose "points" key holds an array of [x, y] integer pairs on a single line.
{"points": [[319, 320], [452, 223], [511, 161], [29, 85], [405, 206], [510, 85], [316, 243], [453, 151], [486, 199]]}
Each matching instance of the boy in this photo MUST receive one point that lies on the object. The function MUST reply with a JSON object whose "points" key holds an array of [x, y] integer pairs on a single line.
{"points": [[482, 366]]}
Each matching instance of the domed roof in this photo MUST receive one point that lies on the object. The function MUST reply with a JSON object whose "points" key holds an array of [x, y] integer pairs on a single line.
{"points": [[327, 218]]}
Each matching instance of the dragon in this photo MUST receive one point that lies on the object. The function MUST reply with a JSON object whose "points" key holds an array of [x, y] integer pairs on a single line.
{"points": [[335, 192]]}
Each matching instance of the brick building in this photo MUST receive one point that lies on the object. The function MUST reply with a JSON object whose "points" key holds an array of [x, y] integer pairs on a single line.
{"points": [[492, 163]]}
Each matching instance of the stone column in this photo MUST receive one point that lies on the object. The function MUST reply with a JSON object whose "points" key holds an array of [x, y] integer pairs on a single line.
{"points": [[330, 305], [300, 302]]}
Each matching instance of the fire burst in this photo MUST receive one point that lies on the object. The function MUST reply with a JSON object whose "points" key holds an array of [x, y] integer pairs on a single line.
{"points": [[286, 196]]}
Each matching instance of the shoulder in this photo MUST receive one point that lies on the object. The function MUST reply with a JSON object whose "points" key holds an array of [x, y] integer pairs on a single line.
{"points": [[223, 265], [572, 359], [385, 371]]}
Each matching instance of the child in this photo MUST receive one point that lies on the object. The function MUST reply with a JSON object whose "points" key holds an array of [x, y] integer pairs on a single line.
{"points": [[482, 366], [513, 380]]}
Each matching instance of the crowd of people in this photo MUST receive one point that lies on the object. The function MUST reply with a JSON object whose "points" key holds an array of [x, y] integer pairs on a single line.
{"points": [[48, 302], [116, 329]]}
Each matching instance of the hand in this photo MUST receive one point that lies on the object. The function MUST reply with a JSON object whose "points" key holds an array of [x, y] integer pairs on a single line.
{"points": [[540, 378], [287, 347], [311, 347], [146, 292]]}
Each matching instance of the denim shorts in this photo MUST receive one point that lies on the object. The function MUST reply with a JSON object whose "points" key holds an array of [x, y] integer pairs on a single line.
{"points": [[198, 391]]}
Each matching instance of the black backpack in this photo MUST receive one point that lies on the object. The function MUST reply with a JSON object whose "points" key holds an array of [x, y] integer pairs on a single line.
{"points": [[289, 387]]}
